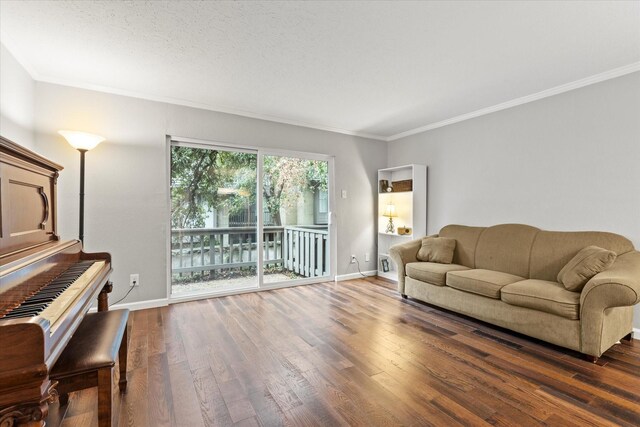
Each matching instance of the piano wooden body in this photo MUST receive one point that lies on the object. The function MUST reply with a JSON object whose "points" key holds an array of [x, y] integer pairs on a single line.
{"points": [[46, 285]]}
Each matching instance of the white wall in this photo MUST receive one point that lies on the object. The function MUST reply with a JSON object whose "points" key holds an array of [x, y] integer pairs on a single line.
{"points": [[568, 162], [17, 94], [126, 183]]}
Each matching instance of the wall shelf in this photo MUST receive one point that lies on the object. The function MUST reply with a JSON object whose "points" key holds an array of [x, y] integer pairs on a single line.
{"points": [[411, 209], [393, 192]]}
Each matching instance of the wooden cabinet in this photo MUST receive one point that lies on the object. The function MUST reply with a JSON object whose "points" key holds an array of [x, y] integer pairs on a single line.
{"points": [[407, 200], [27, 197]]}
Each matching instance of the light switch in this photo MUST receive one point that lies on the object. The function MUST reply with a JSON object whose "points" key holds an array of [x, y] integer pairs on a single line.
{"points": [[344, 194]]}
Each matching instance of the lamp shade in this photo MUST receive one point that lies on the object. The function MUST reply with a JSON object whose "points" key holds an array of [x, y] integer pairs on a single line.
{"points": [[81, 140], [390, 211]]}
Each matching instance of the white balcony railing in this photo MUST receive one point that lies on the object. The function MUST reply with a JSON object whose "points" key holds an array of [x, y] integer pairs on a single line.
{"points": [[302, 249]]}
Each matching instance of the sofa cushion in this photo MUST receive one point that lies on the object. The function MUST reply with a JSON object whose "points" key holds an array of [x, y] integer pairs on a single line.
{"points": [[431, 272], [582, 267], [482, 282], [550, 297], [437, 249], [552, 250]]}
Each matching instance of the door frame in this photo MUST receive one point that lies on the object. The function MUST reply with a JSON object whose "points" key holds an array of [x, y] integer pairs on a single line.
{"points": [[260, 152]]}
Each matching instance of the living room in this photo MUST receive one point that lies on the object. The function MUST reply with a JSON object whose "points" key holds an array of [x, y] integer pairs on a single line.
{"points": [[521, 112]]}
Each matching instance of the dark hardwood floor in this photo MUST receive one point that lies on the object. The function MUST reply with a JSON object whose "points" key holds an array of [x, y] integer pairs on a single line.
{"points": [[353, 353]]}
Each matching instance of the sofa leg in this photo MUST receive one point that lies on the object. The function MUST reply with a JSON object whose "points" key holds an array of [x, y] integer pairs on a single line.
{"points": [[628, 338], [404, 296], [593, 359]]}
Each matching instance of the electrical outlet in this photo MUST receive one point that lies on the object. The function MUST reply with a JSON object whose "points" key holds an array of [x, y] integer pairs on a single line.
{"points": [[353, 259], [134, 279], [367, 258]]}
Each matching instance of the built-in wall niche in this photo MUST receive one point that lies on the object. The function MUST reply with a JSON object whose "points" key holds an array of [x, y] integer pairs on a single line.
{"points": [[402, 195], [401, 204]]}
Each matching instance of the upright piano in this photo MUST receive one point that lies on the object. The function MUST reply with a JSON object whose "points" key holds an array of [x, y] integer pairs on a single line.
{"points": [[47, 285]]}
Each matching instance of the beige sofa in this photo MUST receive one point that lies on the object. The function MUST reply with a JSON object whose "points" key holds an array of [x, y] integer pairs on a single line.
{"points": [[506, 275]]}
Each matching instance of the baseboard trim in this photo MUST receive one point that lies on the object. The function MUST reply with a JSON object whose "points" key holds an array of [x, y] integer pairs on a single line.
{"points": [[636, 333], [342, 277], [139, 305]]}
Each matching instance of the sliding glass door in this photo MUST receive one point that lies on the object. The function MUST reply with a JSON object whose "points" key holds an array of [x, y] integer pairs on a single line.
{"points": [[247, 219], [214, 233], [296, 218]]}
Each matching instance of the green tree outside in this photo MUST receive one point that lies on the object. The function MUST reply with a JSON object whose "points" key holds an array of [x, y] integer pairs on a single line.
{"points": [[200, 179]]}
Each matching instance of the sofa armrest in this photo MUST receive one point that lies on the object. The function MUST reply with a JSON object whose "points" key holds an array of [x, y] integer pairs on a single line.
{"points": [[618, 286], [402, 254], [623, 276]]}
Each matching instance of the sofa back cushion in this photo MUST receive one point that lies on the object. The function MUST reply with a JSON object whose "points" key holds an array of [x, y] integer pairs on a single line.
{"points": [[552, 250], [506, 248], [524, 250], [466, 241]]}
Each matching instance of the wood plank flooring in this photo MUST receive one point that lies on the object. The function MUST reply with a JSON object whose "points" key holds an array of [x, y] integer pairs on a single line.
{"points": [[353, 353]]}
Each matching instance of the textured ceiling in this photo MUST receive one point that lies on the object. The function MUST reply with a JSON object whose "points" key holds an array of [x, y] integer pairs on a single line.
{"points": [[377, 68]]}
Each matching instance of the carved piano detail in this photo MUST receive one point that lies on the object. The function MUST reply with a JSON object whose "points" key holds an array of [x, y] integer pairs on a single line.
{"points": [[46, 285]]}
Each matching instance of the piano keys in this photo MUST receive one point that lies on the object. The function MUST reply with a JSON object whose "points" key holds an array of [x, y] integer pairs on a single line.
{"points": [[40, 301], [46, 285]]}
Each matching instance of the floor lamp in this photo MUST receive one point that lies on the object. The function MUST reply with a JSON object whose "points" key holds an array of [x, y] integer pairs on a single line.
{"points": [[82, 142]]}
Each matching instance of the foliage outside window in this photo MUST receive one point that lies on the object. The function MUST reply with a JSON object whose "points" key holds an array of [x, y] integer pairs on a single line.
{"points": [[206, 180]]}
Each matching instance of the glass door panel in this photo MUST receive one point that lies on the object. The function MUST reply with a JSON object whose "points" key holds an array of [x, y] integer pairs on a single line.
{"points": [[214, 244], [296, 218]]}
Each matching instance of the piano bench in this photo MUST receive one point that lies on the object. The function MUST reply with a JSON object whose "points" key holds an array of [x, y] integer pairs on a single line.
{"points": [[90, 357]]}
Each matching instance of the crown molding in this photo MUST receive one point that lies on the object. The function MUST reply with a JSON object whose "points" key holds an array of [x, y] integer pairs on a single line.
{"points": [[20, 59], [597, 78], [177, 101], [607, 75], [204, 106]]}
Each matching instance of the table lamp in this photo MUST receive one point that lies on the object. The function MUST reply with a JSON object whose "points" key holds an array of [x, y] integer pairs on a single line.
{"points": [[390, 212]]}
